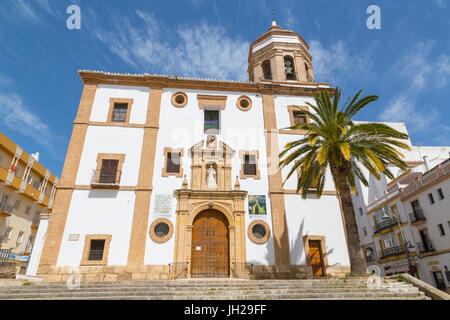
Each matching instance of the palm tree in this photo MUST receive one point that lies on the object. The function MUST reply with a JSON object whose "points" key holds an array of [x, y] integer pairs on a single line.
{"points": [[334, 141]]}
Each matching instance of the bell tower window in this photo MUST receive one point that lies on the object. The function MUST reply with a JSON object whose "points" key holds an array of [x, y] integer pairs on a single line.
{"points": [[266, 70], [289, 68]]}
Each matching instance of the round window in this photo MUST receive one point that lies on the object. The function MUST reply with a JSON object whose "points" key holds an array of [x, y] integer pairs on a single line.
{"points": [[244, 103], [161, 230], [179, 99], [259, 231]]}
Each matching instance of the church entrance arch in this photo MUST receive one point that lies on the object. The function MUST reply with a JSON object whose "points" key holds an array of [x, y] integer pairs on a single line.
{"points": [[210, 250]]}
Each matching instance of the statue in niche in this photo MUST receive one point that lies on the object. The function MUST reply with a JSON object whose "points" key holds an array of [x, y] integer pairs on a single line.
{"points": [[211, 177]]}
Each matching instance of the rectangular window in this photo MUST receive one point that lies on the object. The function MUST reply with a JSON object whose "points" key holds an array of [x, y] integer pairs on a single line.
{"points": [[299, 117], [27, 210], [108, 172], [441, 229], [19, 238], [365, 231], [430, 197], [120, 112], [441, 194], [28, 247], [8, 233], [249, 165], [96, 250], [360, 211], [17, 204], [212, 124], [173, 162]]}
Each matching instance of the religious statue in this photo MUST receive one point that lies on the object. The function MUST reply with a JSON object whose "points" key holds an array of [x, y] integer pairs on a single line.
{"points": [[211, 177]]}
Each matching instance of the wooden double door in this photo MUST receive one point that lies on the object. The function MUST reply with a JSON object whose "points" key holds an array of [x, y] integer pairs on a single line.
{"points": [[210, 249]]}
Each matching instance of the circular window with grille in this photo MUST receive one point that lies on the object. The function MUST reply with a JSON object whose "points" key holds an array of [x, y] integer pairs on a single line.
{"points": [[161, 230], [259, 232], [244, 103], [179, 99]]}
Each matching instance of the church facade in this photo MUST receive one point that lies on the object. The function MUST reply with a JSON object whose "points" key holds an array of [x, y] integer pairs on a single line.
{"points": [[168, 177]]}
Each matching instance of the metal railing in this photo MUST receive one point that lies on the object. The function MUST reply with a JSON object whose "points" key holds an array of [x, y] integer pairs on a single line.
{"points": [[96, 254], [99, 178], [371, 258], [425, 246], [178, 270], [242, 269], [6, 207], [4, 254], [388, 223], [392, 251], [417, 216]]}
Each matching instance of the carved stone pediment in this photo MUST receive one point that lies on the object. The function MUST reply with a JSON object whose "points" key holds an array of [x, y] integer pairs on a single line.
{"points": [[211, 166]]}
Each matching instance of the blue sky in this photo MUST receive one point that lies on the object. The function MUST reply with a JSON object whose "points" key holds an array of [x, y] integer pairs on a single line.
{"points": [[406, 62]]}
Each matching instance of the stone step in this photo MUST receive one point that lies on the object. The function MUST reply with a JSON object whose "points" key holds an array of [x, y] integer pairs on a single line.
{"points": [[27, 289], [325, 296], [112, 292]]}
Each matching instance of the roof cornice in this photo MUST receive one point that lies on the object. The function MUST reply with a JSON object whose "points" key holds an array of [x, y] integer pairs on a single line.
{"points": [[165, 81]]}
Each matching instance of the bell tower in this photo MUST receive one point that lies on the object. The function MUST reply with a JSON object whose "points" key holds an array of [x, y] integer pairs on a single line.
{"points": [[280, 56]]}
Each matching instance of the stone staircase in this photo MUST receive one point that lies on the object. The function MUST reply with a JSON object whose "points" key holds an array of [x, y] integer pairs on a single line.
{"points": [[214, 289]]}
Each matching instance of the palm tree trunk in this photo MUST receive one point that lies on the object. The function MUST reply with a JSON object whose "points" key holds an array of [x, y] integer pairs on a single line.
{"points": [[340, 174]]}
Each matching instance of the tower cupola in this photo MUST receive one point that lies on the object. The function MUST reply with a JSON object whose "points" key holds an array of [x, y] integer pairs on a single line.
{"points": [[280, 56]]}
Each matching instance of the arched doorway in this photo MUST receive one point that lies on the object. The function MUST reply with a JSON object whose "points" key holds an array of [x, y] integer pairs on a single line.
{"points": [[210, 248]]}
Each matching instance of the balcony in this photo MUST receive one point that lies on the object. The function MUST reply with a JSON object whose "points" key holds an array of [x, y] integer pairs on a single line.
{"points": [[417, 216], [6, 209], [385, 224], [102, 180], [425, 247], [392, 251]]}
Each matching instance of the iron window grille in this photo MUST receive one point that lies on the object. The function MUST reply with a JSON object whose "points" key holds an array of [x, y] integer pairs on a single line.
{"points": [[173, 162], [249, 165], [120, 112], [96, 250]]}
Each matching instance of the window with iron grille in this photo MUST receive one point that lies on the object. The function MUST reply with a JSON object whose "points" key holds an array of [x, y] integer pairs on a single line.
{"points": [[431, 198], [259, 231], [299, 117], [212, 124], [108, 171], [441, 229], [173, 162], [162, 230], [440, 193], [96, 250], [250, 165], [120, 112]]}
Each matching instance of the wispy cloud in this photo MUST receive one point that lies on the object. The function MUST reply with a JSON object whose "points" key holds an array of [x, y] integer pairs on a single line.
{"points": [[336, 63], [5, 80], [16, 116], [420, 71], [201, 50], [440, 4]]}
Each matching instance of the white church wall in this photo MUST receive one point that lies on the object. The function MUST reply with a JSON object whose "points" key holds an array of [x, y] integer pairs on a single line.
{"points": [[101, 105], [240, 130], [314, 216], [103, 139], [98, 212]]}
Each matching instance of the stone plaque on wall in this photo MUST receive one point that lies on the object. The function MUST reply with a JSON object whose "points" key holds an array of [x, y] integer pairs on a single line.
{"points": [[163, 205]]}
